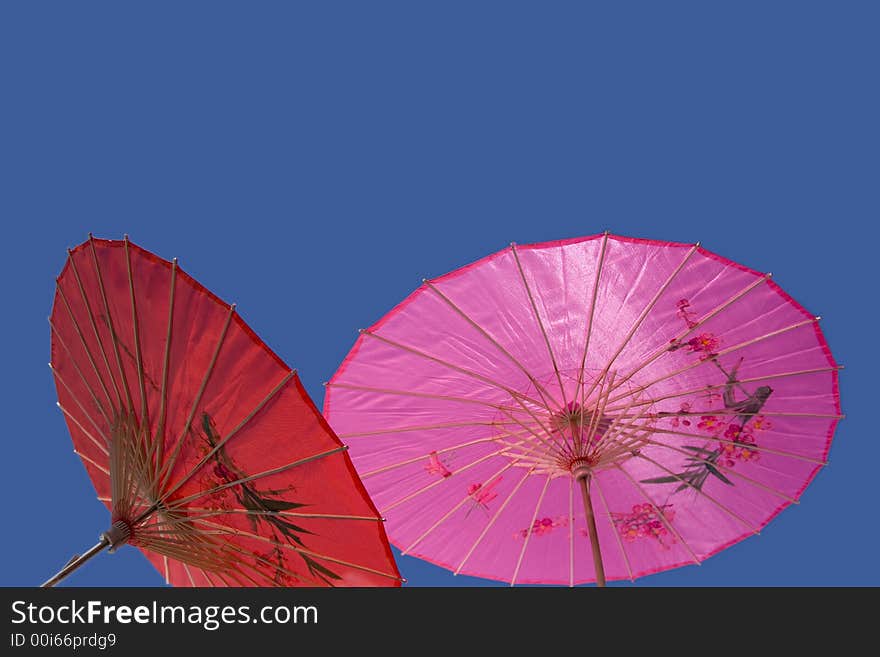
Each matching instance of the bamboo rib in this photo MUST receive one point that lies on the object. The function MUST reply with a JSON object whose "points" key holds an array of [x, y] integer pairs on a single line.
{"points": [[593, 299], [473, 375], [110, 325], [522, 552], [723, 352], [491, 522], [733, 471], [94, 325], [79, 372], [540, 325], [545, 394], [643, 315], [721, 386], [166, 473], [702, 493], [614, 529], [726, 304], [663, 519]]}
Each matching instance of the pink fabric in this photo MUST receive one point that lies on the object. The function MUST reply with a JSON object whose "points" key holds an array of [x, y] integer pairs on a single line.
{"points": [[425, 404]]}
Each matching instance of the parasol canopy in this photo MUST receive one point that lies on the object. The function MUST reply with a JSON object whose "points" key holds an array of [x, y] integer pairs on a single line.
{"points": [[571, 411], [204, 446]]}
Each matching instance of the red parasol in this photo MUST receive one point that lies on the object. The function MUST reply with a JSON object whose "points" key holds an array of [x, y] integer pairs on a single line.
{"points": [[203, 444]]}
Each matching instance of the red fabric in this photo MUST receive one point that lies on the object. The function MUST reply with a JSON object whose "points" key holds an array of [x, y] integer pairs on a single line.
{"points": [[98, 381]]}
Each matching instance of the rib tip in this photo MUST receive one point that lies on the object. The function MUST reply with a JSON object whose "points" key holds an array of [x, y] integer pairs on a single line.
{"points": [[606, 232], [91, 237], [424, 280], [403, 580], [697, 245], [173, 261], [818, 317], [325, 384], [233, 306], [362, 330], [125, 237], [513, 245], [841, 367], [383, 518], [769, 274], [58, 404], [345, 448]]}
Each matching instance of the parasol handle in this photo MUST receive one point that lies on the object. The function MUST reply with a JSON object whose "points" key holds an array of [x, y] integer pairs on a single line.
{"points": [[583, 476], [76, 562], [117, 535]]}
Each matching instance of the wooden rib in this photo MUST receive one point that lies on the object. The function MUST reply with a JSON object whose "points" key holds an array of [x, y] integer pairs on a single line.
{"points": [[424, 427], [643, 315], [85, 345], [229, 436], [81, 428], [79, 372], [316, 555], [159, 440], [189, 574], [274, 566], [469, 373], [522, 275], [94, 463], [79, 404], [448, 514], [593, 299], [491, 522], [724, 413], [110, 325], [613, 426], [169, 466], [614, 529], [522, 552], [721, 386], [208, 577], [754, 482], [733, 442], [701, 492], [663, 519], [94, 325], [165, 564], [416, 459], [425, 395], [287, 514], [440, 481], [554, 446], [599, 412], [723, 352], [176, 504], [665, 348], [538, 386], [145, 418]]}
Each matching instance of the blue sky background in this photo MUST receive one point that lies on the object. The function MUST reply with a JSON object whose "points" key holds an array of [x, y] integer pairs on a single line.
{"points": [[312, 162]]}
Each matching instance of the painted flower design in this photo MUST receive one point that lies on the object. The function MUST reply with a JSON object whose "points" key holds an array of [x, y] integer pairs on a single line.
{"points": [[543, 526], [705, 343], [646, 521], [711, 424], [741, 449], [684, 409]]}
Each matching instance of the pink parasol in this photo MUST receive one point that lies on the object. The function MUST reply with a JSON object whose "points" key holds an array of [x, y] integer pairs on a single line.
{"points": [[571, 411]]}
